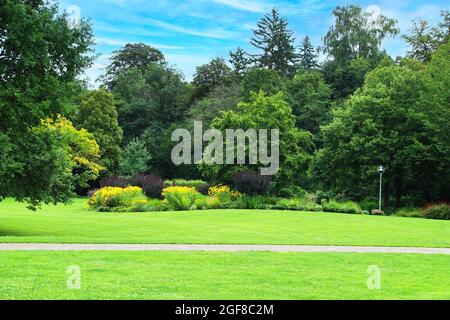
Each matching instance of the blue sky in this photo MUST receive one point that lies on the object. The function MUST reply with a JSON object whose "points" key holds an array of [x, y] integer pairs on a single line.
{"points": [[192, 32]]}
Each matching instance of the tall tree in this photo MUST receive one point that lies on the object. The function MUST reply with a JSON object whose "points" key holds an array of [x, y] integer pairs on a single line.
{"points": [[156, 96], [132, 55], [310, 98], [97, 113], [241, 61], [210, 75], [390, 121], [276, 42], [263, 112], [308, 55], [424, 40], [355, 35], [40, 58]]}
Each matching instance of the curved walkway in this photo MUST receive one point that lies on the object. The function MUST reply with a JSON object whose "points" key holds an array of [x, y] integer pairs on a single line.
{"points": [[215, 247]]}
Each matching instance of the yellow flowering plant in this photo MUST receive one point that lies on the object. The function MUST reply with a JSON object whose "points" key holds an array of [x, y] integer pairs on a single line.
{"points": [[116, 197], [221, 191], [178, 190]]}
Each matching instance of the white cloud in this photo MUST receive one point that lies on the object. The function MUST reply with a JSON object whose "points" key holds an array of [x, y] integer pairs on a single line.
{"points": [[122, 42], [245, 5], [375, 12], [217, 33]]}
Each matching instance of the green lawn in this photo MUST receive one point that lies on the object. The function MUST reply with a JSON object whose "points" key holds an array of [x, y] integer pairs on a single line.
{"points": [[76, 224], [207, 275]]}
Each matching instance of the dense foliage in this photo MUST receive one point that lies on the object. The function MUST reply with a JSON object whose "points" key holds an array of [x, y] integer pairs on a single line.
{"points": [[40, 58], [262, 112], [97, 114], [437, 211], [339, 117], [251, 183], [135, 158]]}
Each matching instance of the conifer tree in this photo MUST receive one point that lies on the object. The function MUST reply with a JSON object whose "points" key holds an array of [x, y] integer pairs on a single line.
{"points": [[276, 41], [307, 55], [240, 61]]}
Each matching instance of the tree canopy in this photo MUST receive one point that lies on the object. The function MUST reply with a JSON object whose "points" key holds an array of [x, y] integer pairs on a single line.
{"points": [[273, 37], [97, 113], [40, 58], [262, 112], [388, 121], [132, 55], [339, 115]]}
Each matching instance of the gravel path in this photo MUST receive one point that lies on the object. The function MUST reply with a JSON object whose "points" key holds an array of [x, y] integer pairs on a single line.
{"points": [[215, 247]]}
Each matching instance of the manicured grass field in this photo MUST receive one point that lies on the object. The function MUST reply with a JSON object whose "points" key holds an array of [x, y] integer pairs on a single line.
{"points": [[76, 224], [212, 275]]}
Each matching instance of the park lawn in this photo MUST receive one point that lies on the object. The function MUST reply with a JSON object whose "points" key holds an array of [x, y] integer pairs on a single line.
{"points": [[76, 224], [216, 275]]}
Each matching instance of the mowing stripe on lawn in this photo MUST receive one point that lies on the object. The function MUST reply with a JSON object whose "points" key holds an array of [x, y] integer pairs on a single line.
{"points": [[214, 247]]}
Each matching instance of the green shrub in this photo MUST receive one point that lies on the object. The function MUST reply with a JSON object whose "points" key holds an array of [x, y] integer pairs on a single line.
{"points": [[311, 207], [437, 211], [297, 204], [200, 204], [204, 202], [342, 207], [251, 202], [368, 204], [226, 195], [322, 196], [213, 203], [180, 198], [155, 205], [411, 212], [291, 192], [289, 204], [197, 184]]}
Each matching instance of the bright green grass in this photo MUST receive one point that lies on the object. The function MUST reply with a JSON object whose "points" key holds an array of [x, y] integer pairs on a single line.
{"points": [[76, 224], [213, 275]]}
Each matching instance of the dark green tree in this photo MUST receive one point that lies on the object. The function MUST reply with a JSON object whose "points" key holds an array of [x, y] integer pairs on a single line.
{"points": [[390, 121], [210, 75], [276, 42], [157, 139], [40, 58], [156, 96], [310, 98], [241, 61], [97, 114], [308, 55], [221, 98], [256, 79], [132, 55]]}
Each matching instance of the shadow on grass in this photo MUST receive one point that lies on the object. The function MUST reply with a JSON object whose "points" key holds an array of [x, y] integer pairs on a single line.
{"points": [[21, 233]]}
